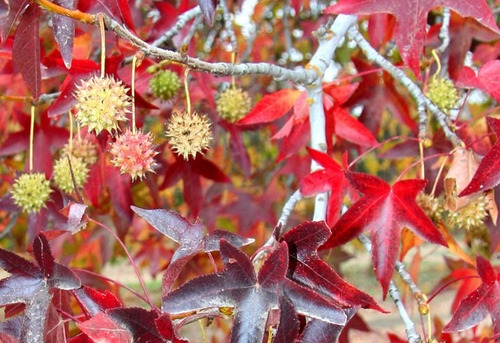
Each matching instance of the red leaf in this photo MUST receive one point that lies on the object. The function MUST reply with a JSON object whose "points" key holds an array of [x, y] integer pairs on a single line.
{"points": [[271, 107], [411, 20], [384, 211], [94, 301], [26, 50], [487, 174], [349, 128], [101, 328], [476, 306], [16, 8], [43, 255]]}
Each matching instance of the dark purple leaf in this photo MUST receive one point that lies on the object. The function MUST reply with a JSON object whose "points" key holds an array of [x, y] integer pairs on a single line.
{"points": [[191, 238], [17, 265], [289, 325], [237, 287], [43, 255], [26, 49], [33, 327], [15, 9], [64, 31]]}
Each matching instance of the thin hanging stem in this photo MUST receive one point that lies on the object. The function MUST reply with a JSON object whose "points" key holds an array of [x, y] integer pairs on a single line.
{"points": [[103, 44], [186, 89], [32, 136], [134, 61], [422, 165], [70, 131], [438, 62]]}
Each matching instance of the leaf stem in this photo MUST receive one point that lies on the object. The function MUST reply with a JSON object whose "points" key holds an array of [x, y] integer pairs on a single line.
{"points": [[74, 14], [32, 138], [186, 89], [103, 44], [139, 277], [134, 61]]}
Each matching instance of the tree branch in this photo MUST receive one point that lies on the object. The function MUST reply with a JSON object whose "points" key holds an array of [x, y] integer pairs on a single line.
{"points": [[415, 91], [328, 42], [181, 22]]}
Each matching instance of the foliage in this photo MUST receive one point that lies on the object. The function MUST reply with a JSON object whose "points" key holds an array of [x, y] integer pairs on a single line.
{"points": [[240, 152]]}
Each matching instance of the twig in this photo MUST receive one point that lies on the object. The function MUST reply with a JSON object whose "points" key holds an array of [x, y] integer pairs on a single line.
{"points": [[74, 14], [229, 26], [44, 98], [192, 30], [417, 94], [444, 32], [411, 330], [328, 42], [181, 22], [285, 214]]}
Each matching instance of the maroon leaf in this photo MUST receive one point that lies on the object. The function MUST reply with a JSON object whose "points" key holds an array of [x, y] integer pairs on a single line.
{"points": [[487, 174], [289, 325], [318, 331], [26, 49], [411, 20], [43, 255], [191, 239], [251, 296], [384, 211], [308, 269], [166, 329], [64, 31], [476, 306], [140, 323], [15, 9], [101, 328]]}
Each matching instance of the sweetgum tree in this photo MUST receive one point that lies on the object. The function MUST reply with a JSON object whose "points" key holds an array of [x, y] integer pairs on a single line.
{"points": [[241, 152]]}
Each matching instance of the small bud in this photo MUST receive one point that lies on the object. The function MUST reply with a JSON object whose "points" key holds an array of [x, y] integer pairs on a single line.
{"points": [[443, 93], [165, 84]]}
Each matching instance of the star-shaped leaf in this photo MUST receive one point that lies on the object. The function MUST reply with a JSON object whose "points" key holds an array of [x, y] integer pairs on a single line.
{"points": [[31, 285], [308, 269], [252, 296], [487, 174], [479, 303], [411, 20], [384, 211], [191, 238]]}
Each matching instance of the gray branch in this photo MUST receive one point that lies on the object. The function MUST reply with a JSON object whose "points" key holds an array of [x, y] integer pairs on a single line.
{"points": [[444, 32], [229, 25], [415, 91], [181, 22], [300, 76]]}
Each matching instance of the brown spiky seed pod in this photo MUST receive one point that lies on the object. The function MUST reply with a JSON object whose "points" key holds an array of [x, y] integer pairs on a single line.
{"points": [[189, 134]]}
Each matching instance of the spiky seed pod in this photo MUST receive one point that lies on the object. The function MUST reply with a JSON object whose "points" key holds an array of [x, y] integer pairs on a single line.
{"points": [[133, 153], [102, 103], [233, 104], [84, 149], [31, 191], [165, 84], [430, 205], [470, 216], [189, 134], [62, 173], [443, 93]]}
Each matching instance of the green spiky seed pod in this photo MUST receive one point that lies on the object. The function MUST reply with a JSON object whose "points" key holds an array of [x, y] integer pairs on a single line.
{"points": [[84, 149], [430, 205], [470, 216], [233, 104], [31, 191], [165, 84], [443, 93], [102, 103], [62, 173]]}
